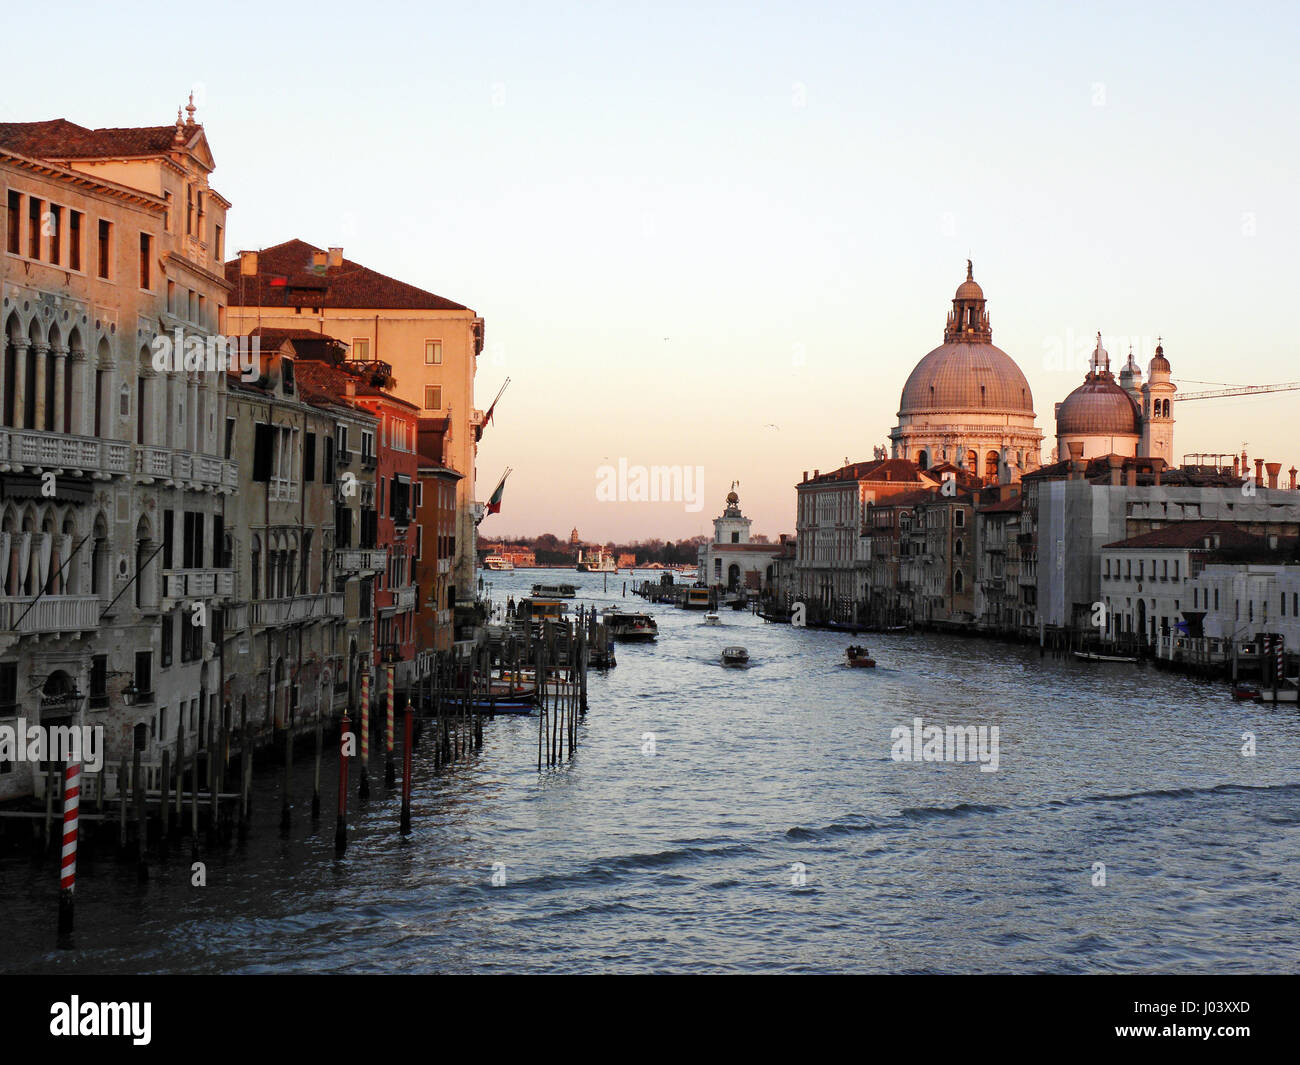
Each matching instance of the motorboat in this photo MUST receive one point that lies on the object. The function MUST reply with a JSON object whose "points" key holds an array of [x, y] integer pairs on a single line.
{"points": [[735, 656], [561, 590], [858, 657], [711, 618], [630, 625]]}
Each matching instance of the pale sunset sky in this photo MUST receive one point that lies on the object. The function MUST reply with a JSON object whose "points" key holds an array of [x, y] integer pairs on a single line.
{"points": [[721, 235]]}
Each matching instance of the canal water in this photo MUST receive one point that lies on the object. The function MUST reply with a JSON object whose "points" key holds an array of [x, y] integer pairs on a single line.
{"points": [[754, 820]]}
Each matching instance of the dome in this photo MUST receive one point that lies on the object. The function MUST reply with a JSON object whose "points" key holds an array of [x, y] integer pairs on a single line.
{"points": [[1159, 364], [969, 290], [1098, 407], [732, 498], [966, 376]]}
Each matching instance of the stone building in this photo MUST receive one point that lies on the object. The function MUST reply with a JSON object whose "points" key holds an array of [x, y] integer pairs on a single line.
{"points": [[435, 518], [428, 345], [114, 468], [731, 561]]}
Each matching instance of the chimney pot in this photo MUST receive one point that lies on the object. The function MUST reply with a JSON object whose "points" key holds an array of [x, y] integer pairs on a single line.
{"points": [[1131, 476], [1293, 471], [318, 258], [1274, 468], [1259, 473], [336, 257]]}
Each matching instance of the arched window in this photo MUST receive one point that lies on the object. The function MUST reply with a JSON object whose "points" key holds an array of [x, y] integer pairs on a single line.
{"points": [[923, 460], [958, 582], [957, 551]]}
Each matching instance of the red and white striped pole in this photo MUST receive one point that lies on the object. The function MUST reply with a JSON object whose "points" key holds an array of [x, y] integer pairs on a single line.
{"points": [[68, 865], [364, 784], [390, 772]]}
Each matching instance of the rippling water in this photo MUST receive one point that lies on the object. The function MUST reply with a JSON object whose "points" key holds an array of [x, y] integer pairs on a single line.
{"points": [[685, 860]]}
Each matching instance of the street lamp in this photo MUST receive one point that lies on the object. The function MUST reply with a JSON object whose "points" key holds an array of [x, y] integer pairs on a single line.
{"points": [[129, 693]]}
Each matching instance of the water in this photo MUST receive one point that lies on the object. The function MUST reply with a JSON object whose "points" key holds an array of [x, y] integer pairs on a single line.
{"points": [[685, 860]]}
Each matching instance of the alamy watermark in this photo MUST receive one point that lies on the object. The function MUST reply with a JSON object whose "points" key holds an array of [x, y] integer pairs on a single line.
{"points": [[53, 743], [955, 743], [176, 352], [651, 484]]}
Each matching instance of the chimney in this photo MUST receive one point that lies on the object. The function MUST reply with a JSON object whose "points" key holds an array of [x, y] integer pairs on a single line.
{"points": [[817, 473], [1131, 475], [248, 264], [1274, 468], [1076, 460], [1116, 465], [336, 257], [1259, 473], [1292, 471], [805, 475], [1236, 467], [1157, 468], [350, 387]]}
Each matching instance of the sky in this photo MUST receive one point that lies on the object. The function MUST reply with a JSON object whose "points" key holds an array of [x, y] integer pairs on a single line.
{"points": [[718, 237]]}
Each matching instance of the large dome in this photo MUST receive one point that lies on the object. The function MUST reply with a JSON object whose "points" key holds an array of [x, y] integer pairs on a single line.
{"points": [[1098, 407], [965, 376]]}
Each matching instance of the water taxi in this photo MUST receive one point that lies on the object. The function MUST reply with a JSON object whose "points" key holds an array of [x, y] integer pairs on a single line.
{"points": [[712, 619], [497, 562], [629, 625], [735, 656], [555, 591], [541, 608]]}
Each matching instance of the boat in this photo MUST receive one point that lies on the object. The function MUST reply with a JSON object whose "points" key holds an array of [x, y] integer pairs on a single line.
{"points": [[541, 608], [498, 562], [697, 599], [1243, 690], [858, 657], [561, 590], [1096, 656], [600, 562], [630, 625], [1277, 695], [735, 656], [712, 619]]}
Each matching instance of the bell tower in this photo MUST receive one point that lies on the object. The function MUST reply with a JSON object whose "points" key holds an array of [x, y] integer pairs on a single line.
{"points": [[1157, 409]]}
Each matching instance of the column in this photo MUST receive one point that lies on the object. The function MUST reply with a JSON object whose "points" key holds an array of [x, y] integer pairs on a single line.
{"points": [[20, 385], [38, 422], [60, 371]]}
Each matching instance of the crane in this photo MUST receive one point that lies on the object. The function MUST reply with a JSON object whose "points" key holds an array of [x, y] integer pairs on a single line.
{"points": [[1240, 390]]}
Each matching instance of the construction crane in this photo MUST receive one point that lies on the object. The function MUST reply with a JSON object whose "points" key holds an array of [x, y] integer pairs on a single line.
{"points": [[1239, 390]]}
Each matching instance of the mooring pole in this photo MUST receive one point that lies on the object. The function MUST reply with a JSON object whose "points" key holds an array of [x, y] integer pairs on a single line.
{"points": [[345, 743], [406, 773], [68, 863]]}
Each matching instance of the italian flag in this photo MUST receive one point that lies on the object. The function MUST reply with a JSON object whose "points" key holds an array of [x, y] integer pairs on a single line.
{"points": [[494, 504]]}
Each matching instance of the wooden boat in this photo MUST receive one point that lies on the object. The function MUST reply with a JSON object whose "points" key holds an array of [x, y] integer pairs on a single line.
{"points": [[1242, 691], [1096, 656], [858, 658], [735, 656], [712, 619]]}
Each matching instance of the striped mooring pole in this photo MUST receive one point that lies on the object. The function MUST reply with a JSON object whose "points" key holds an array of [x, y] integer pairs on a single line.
{"points": [[341, 828], [390, 773], [1279, 651], [68, 865], [363, 789]]}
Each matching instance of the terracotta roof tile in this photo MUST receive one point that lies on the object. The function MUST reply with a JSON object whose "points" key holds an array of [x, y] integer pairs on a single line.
{"points": [[305, 285], [60, 139]]}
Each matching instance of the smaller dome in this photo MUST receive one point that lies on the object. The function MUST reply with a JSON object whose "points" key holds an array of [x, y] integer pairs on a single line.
{"points": [[969, 290], [1098, 407], [732, 498]]}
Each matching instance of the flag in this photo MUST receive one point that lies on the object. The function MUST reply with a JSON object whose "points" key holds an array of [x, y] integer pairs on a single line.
{"points": [[494, 504]]}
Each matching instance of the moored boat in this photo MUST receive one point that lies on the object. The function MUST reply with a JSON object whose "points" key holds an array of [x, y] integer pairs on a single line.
{"points": [[1096, 656]]}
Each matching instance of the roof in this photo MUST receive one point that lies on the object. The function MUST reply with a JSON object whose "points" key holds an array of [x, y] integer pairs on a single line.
{"points": [[303, 284], [1004, 506], [908, 499], [332, 382], [964, 376], [58, 138], [876, 470], [307, 343], [1194, 534]]}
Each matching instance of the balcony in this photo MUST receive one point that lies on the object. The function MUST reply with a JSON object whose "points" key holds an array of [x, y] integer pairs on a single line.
{"points": [[185, 468], [369, 461], [343, 457], [282, 490], [198, 584], [81, 454], [361, 559], [153, 462], [296, 608], [51, 614], [404, 599]]}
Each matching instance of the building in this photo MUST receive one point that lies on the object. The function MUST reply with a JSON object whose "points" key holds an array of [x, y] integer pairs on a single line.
{"points": [[967, 402], [832, 555], [114, 473], [732, 560], [435, 517], [426, 344], [1000, 605]]}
